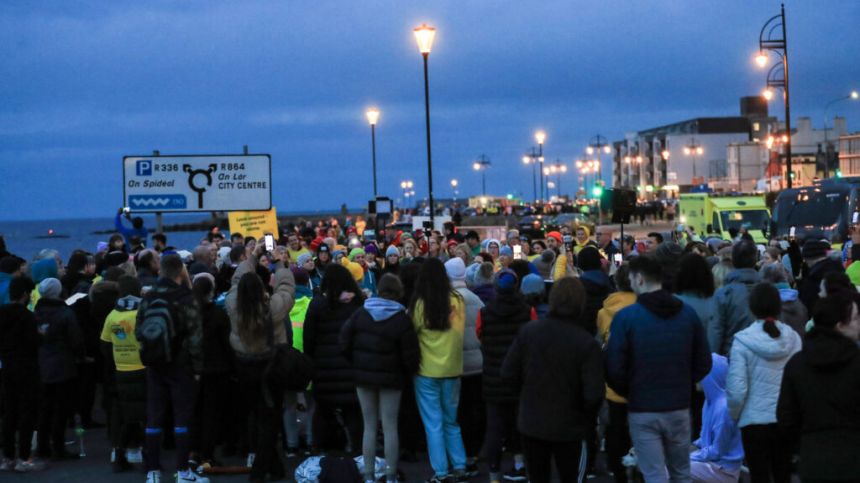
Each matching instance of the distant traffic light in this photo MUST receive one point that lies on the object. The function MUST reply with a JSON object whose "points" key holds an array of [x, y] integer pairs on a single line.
{"points": [[597, 191], [838, 173]]}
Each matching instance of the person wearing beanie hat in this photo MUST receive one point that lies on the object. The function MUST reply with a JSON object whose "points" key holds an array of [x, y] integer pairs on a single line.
{"points": [[533, 288], [506, 256], [483, 282], [367, 283], [304, 260], [597, 286], [545, 263], [62, 345], [355, 270], [471, 409], [392, 260], [498, 324], [554, 239], [815, 256]]}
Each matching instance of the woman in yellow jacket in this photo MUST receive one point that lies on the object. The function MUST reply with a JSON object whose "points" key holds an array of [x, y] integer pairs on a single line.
{"points": [[617, 432], [438, 315]]}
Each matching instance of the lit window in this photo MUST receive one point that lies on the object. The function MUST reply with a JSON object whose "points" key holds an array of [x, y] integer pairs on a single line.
{"points": [[756, 126]]}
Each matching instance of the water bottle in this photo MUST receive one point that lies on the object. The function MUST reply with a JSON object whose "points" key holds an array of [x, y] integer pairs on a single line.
{"points": [[79, 431]]}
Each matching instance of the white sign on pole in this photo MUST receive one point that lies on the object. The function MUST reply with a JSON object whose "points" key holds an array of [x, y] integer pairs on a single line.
{"points": [[197, 183]]}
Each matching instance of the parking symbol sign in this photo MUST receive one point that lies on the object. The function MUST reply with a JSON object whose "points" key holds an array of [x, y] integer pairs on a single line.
{"points": [[144, 167]]}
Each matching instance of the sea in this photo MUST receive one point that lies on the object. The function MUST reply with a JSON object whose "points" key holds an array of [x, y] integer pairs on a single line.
{"points": [[26, 238]]}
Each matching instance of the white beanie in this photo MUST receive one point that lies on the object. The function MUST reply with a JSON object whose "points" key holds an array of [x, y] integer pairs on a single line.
{"points": [[456, 269]]}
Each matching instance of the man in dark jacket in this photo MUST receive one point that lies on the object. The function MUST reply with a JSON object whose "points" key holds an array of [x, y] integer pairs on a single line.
{"points": [[555, 367], [498, 324], [819, 265], [19, 351], [731, 312], [820, 390], [62, 344], [171, 381], [597, 286], [656, 353]]}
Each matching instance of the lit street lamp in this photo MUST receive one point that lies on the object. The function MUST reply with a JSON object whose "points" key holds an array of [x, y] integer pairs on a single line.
{"points": [[406, 186], [372, 117], [540, 137], [454, 184], [481, 165], [557, 168], [853, 95], [769, 39], [695, 150], [598, 144], [424, 35]]}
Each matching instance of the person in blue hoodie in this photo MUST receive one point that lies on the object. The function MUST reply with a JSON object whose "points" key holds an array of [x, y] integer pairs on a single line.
{"points": [[379, 342], [657, 351], [720, 451], [10, 267], [137, 229]]}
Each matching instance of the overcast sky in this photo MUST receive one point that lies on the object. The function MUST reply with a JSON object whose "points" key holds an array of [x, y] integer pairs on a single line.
{"points": [[84, 83]]}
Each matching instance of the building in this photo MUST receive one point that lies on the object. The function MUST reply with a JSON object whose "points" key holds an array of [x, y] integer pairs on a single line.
{"points": [[849, 154]]}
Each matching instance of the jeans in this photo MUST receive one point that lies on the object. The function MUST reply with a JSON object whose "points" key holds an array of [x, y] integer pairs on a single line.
{"points": [[20, 406], [617, 440], [437, 402], [767, 452], [662, 442], [171, 384], [379, 404], [56, 408], [266, 420], [570, 459], [501, 427], [291, 418]]}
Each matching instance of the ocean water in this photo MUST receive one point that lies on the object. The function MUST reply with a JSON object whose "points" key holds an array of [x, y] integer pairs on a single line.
{"points": [[23, 237]]}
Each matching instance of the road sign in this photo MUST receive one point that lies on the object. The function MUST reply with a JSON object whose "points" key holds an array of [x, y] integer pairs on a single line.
{"points": [[197, 183]]}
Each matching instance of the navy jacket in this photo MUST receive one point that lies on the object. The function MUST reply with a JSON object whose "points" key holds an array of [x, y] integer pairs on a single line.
{"points": [[62, 341], [657, 352]]}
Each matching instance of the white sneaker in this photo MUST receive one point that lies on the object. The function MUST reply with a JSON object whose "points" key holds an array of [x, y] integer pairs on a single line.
{"points": [[251, 457], [31, 464], [189, 476], [134, 455], [153, 477]]}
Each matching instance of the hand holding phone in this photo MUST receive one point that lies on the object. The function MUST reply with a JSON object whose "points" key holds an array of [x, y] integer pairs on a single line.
{"points": [[518, 252], [617, 258], [270, 242]]}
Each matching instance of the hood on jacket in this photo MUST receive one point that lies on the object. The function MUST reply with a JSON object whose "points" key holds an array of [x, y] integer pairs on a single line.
{"points": [[714, 384], [598, 277], [618, 300], [747, 276], [382, 309], [128, 303], [304, 291], [827, 349], [788, 294], [43, 269], [661, 303], [762, 345]]}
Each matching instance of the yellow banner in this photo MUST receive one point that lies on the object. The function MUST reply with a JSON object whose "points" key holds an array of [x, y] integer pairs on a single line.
{"points": [[254, 223]]}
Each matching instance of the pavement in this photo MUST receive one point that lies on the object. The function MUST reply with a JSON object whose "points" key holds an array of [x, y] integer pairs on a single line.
{"points": [[96, 467]]}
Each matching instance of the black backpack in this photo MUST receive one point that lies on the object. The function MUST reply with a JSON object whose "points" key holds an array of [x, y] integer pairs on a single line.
{"points": [[156, 333], [335, 469]]}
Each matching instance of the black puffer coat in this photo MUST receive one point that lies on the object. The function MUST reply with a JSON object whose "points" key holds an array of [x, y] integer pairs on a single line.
{"points": [[333, 376], [383, 352], [62, 341], [501, 320]]}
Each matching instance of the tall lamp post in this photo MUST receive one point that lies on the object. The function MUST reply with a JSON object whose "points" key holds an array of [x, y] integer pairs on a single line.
{"points": [[481, 164], [532, 158], [454, 184], [854, 95], [695, 150], [372, 117], [773, 37], [424, 35], [406, 186], [600, 145], [556, 168], [540, 137]]}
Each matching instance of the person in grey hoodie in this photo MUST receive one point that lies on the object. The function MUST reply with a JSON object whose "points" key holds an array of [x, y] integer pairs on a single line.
{"points": [[758, 357], [471, 410], [794, 313], [731, 302]]}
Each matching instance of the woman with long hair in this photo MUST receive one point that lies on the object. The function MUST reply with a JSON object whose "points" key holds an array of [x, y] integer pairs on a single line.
{"points": [[439, 316], [334, 386], [251, 308]]}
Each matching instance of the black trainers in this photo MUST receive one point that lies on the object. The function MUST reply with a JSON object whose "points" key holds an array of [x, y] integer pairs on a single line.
{"points": [[441, 479], [516, 475], [472, 470]]}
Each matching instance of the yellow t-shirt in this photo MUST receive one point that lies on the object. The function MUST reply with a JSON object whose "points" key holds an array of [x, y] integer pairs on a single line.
{"points": [[119, 331], [441, 351]]}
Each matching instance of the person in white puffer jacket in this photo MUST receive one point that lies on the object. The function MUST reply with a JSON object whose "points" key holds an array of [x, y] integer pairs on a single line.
{"points": [[758, 356]]}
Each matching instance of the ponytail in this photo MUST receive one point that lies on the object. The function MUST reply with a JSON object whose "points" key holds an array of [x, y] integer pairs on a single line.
{"points": [[771, 328]]}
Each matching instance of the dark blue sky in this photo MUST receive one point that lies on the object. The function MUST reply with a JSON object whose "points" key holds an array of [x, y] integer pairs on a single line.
{"points": [[84, 83]]}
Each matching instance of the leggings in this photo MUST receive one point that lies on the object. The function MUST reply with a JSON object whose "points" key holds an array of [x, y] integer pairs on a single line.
{"points": [[379, 404]]}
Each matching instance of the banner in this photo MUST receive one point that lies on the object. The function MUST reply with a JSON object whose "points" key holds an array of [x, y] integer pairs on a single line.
{"points": [[254, 223]]}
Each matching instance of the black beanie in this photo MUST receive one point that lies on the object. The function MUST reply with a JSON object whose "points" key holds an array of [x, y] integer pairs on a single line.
{"points": [[589, 259], [814, 249]]}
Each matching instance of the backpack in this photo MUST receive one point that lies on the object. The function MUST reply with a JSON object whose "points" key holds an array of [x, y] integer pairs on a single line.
{"points": [[156, 333]]}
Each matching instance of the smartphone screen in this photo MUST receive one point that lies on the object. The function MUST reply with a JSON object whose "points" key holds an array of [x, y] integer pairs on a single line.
{"points": [[518, 252], [270, 243], [617, 258], [855, 218], [791, 232]]}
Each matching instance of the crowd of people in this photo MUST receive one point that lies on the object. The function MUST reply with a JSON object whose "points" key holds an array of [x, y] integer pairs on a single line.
{"points": [[683, 359]]}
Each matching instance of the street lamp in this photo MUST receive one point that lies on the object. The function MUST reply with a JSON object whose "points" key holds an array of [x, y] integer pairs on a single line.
{"points": [[693, 149], [598, 144], [372, 117], [454, 184], [532, 158], [481, 164], [424, 36], [769, 39], [556, 168], [540, 137], [406, 186], [853, 95]]}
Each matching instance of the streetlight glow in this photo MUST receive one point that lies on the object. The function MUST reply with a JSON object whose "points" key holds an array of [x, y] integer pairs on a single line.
{"points": [[424, 36], [589, 150], [761, 59], [526, 160], [767, 94], [454, 183], [372, 115], [476, 166], [540, 137], [687, 151], [607, 149], [665, 154], [854, 94], [700, 150]]}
